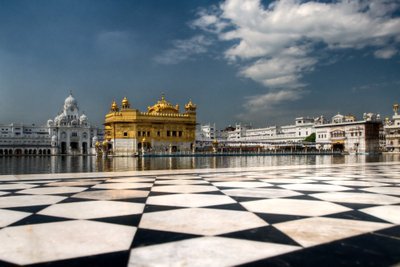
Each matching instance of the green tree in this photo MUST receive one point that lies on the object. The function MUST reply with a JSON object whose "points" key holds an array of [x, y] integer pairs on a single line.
{"points": [[310, 138]]}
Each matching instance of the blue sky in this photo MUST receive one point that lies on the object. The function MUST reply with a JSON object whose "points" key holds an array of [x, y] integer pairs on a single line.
{"points": [[240, 60]]}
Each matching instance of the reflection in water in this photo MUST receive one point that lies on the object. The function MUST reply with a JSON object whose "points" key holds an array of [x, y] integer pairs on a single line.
{"points": [[60, 164]]}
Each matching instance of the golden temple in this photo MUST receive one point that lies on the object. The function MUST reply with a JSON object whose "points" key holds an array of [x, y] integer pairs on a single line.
{"points": [[162, 128]]}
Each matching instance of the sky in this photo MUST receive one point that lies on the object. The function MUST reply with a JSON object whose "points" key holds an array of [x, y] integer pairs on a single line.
{"points": [[251, 61]]}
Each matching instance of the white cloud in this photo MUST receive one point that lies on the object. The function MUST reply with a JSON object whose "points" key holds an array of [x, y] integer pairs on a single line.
{"points": [[386, 53], [275, 44], [183, 49]]}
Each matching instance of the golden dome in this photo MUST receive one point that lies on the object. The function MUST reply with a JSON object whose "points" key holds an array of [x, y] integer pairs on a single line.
{"points": [[190, 106], [114, 106], [125, 103], [163, 106]]}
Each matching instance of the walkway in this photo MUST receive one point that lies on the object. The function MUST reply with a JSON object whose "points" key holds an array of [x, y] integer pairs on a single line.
{"points": [[339, 215]]}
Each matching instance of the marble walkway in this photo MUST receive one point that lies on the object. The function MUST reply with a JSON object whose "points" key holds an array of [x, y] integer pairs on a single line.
{"points": [[338, 215]]}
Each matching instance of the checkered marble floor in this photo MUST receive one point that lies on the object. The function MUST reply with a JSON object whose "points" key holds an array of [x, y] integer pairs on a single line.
{"points": [[339, 215]]}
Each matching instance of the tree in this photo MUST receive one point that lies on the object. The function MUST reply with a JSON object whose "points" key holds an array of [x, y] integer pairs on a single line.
{"points": [[310, 138]]}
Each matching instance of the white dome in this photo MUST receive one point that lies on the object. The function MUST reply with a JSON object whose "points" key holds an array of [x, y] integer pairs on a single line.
{"points": [[50, 123], [70, 101], [83, 118]]}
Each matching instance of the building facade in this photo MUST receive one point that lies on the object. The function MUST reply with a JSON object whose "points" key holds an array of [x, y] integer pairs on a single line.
{"points": [[346, 134], [162, 128], [69, 133], [296, 132], [20, 139], [392, 131]]}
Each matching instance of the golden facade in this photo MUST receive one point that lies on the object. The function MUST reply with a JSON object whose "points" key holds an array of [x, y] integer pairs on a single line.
{"points": [[162, 128]]}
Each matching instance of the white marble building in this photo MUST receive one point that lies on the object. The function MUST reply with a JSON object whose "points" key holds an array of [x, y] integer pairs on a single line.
{"points": [[20, 139], [392, 131], [345, 133], [71, 132], [296, 132]]}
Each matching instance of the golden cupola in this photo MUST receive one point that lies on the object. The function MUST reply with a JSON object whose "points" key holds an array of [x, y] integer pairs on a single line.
{"points": [[125, 103], [190, 107], [163, 106], [114, 107]]}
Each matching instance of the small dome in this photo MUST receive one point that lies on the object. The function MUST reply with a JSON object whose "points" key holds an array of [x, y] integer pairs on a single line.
{"points": [[83, 118], [114, 106], [190, 106], [50, 123], [125, 103]]}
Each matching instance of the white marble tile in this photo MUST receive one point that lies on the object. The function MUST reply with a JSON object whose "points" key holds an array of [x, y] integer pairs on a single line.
{"points": [[287, 180], [26, 201], [131, 180], [16, 186], [356, 183], [387, 190], [315, 187], [181, 182], [387, 213], [2, 193], [323, 178], [314, 231], [178, 177], [206, 251], [190, 200], [230, 179], [40, 181], [201, 221], [242, 184], [358, 198], [93, 209], [112, 194], [52, 190], [123, 185], [74, 183], [8, 217], [382, 180], [293, 207], [46, 242], [260, 192], [184, 188]]}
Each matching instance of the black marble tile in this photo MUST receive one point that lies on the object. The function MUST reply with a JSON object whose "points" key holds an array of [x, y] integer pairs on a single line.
{"points": [[364, 250], [32, 209], [355, 215], [278, 218], [245, 199], [355, 206], [233, 206], [37, 218], [155, 193], [302, 197], [153, 208], [130, 220], [115, 259], [263, 234], [147, 237], [218, 193], [132, 200], [75, 199], [7, 264], [393, 232]]}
